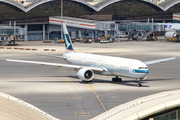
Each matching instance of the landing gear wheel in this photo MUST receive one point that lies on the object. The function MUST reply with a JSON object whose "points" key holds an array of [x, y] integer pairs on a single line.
{"points": [[116, 79], [139, 82]]}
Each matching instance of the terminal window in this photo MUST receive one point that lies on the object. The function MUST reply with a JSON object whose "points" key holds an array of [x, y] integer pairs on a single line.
{"points": [[175, 115]]}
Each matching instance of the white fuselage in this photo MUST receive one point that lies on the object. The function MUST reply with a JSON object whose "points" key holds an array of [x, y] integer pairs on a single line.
{"points": [[115, 66], [171, 27]]}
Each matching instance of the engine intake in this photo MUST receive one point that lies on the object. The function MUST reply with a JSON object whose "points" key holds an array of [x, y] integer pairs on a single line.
{"points": [[85, 74], [170, 35]]}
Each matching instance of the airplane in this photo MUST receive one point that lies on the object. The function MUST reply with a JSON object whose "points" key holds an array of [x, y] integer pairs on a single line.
{"points": [[87, 64], [172, 30]]}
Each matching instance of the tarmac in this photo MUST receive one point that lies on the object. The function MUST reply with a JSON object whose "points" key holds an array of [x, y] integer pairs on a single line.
{"points": [[59, 92]]}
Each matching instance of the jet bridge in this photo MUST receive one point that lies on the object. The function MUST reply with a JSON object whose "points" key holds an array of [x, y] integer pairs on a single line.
{"points": [[9, 34], [140, 30], [134, 30]]}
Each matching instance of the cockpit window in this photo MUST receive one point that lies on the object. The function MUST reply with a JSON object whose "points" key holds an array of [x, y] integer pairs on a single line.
{"points": [[142, 67]]}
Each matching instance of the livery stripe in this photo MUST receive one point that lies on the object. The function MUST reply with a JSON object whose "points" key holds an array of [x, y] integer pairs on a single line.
{"points": [[141, 71]]}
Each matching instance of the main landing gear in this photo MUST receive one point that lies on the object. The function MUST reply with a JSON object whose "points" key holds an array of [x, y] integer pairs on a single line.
{"points": [[116, 79], [139, 82]]}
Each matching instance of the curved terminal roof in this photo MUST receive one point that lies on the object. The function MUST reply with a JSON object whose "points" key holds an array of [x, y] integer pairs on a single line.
{"points": [[13, 3], [169, 3], [16, 109], [97, 7], [143, 108], [105, 3]]}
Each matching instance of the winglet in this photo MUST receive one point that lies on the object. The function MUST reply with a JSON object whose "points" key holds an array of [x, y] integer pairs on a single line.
{"points": [[68, 42]]}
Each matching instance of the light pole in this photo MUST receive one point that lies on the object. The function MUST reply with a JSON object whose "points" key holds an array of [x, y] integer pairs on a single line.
{"points": [[61, 19]]}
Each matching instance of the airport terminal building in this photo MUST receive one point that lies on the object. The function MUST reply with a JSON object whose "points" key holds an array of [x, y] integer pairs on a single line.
{"points": [[41, 20], [95, 15]]}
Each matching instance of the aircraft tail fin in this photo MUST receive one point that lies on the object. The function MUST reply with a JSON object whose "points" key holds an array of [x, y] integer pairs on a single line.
{"points": [[68, 42]]}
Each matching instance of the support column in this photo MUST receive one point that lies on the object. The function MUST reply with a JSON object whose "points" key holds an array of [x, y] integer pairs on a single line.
{"points": [[114, 33], [105, 33], [14, 27], [92, 35], [79, 35], [48, 36], [26, 33], [96, 34], [85, 35], [44, 32]]}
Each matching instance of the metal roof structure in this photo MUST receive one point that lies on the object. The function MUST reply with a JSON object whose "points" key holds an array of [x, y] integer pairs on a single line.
{"points": [[97, 7], [143, 108], [13, 108]]}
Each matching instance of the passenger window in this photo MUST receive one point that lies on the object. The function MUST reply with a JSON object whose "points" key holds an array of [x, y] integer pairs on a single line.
{"points": [[142, 67]]}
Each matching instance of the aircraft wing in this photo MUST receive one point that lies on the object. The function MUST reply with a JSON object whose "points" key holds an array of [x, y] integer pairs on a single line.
{"points": [[57, 64], [62, 57], [157, 61]]}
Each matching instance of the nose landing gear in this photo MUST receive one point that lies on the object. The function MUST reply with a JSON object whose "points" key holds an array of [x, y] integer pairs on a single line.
{"points": [[139, 82], [116, 79]]}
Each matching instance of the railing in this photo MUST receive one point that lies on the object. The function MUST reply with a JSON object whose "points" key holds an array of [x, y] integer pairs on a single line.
{"points": [[166, 16], [42, 19]]}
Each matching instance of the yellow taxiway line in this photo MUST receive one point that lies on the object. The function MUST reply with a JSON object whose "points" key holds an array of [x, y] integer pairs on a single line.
{"points": [[97, 97]]}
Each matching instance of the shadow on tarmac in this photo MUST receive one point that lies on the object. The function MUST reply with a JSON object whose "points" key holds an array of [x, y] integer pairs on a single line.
{"points": [[164, 79], [132, 83]]}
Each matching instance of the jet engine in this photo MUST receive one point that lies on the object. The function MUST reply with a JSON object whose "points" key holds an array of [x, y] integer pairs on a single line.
{"points": [[170, 35], [85, 74]]}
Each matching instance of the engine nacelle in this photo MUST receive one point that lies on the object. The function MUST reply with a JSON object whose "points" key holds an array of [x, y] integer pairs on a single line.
{"points": [[170, 35], [85, 74]]}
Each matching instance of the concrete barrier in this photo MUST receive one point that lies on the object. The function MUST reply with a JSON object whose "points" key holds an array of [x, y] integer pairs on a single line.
{"points": [[34, 49], [28, 48], [9, 47], [46, 49], [2, 47], [21, 48], [48, 41], [53, 49]]}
